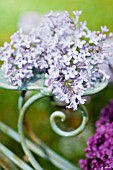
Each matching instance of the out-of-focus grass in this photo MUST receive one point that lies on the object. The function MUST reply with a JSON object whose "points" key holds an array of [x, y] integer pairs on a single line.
{"points": [[97, 13]]}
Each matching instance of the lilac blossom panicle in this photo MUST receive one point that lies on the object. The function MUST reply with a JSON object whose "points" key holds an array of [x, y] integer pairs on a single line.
{"points": [[108, 49], [64, 49], [106, 115], [99, 153]]}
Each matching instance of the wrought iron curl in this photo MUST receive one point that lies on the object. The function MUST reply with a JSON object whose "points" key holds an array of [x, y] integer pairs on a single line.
{"points": [[23, 110], [63, 117], [23, 106]]}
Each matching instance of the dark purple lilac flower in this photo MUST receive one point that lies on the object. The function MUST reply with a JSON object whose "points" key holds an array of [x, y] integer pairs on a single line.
{"points": [[106, 115], [99, 153], [62, 48]]}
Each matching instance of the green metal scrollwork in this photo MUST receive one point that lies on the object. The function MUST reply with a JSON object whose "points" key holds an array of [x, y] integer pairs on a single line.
{"points": [[40, 149], [20, 128], [62, 163], [6, 163], [63, 117], [23, 106], [14, 158]]}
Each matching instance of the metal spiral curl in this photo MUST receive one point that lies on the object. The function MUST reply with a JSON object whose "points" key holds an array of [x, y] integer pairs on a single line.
{"points": [[23, 107], [23, 110], [75, 132], [42, 93]]}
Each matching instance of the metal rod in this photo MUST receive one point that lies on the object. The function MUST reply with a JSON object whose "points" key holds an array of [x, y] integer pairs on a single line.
{"points": [[6, 163], [42, 150], [25, 107], [21, 164]]}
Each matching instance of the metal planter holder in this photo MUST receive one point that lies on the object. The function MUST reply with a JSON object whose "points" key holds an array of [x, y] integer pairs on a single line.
{"points": [[8, 160]]}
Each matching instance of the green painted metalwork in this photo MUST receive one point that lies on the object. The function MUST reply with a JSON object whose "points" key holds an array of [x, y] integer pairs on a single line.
{"points": [[6, 163], [20, 128], [14, 158], [40, 148], [63, 117], [98, 87]]}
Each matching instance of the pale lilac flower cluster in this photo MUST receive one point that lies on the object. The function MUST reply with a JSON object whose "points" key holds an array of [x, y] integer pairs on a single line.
{"points": [[108, 49], [21, 58], [99, 153], [64, 49]]}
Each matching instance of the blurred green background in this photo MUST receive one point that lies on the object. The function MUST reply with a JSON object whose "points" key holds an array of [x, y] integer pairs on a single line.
{"points": [[96, 13]]}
